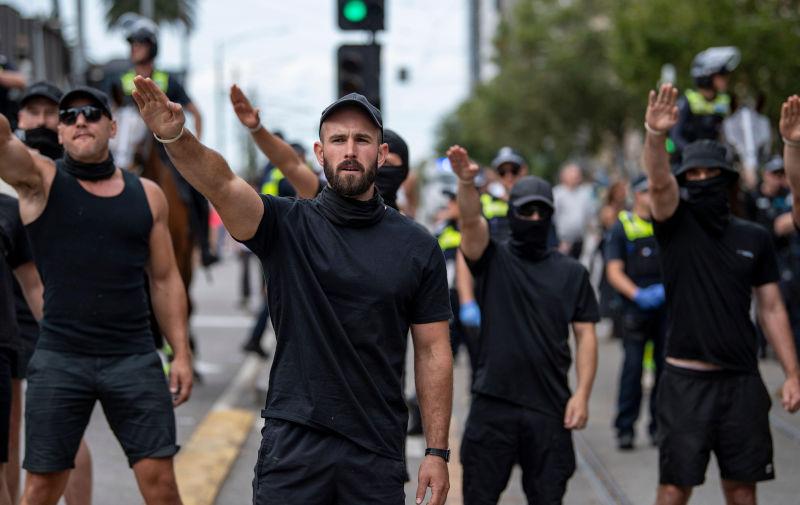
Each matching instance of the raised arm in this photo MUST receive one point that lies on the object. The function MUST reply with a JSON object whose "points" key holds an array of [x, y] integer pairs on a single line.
{"points": [[661, 116], [279, 152], [22, 168], [237, 203], [790, 131], [474, 228]]}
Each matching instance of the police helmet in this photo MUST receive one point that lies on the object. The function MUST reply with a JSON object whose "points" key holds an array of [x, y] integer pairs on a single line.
{"points": [[144, 31], [714, 60]]}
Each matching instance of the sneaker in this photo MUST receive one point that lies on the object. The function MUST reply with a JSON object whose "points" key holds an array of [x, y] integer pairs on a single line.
{"points": [[625, 441]]}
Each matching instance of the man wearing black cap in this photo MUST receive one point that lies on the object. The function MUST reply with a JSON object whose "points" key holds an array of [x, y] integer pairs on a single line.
{"points": [[711, 392], [347, 276], [38, 129], [633, 270], [522, 410], [95, 230]]}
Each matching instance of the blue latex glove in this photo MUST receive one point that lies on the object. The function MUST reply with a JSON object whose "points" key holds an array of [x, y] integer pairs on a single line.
{"points": [[651, 297], [470, 314]]}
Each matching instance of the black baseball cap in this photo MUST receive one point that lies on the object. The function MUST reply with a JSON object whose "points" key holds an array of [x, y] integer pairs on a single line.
{"points": [[89, 92], [706, 153], [356, 100], [531, 189], [508, 155], [639, 183], [45, 89]]}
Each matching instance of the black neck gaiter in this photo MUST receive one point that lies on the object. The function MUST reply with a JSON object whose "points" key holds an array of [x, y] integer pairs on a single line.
{"points": [[349, 212], [388, 181], [528, 238], [709, 203], [89, 171], [45, 141]]}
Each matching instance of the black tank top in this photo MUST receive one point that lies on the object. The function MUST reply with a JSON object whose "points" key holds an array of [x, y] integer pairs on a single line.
{"points": [[91, 252]]}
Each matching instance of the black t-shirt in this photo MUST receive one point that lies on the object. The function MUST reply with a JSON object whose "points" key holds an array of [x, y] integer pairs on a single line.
{"points": [[341, 301], [640, 257], [15, 251], [526, 309], [708, 282]]}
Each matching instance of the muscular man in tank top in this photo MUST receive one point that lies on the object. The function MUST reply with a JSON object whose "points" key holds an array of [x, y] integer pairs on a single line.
{"points": [[95, 231]]}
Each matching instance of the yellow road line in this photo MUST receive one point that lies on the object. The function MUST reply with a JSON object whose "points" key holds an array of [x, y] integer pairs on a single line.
{"points": [[204, 462]]}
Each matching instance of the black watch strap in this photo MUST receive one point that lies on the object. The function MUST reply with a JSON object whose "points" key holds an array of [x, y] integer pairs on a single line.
{"points": [[442, 453]]}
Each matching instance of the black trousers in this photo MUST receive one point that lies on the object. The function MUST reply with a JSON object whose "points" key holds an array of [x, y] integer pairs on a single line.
{"points": [[298, 465], [498, 435]]}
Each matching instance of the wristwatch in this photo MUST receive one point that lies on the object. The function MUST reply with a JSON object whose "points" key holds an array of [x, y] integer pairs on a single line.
{"points": [[442, 453]]}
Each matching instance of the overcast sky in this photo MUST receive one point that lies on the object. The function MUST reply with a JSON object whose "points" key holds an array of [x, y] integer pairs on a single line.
{"points": [[284, 52]]}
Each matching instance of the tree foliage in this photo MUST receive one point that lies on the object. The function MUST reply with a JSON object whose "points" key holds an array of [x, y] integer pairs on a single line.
{"points": [[574, 74], [180, 12]]}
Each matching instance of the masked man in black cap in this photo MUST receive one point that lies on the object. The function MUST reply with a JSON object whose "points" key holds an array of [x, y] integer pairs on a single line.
{"points": [[522, 409], [38, 129], [95, 230], [711, 392], [347, 276], [633, 269]]}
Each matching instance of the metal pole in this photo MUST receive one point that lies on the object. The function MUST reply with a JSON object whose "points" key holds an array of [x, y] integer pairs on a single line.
{"points": [[80, 53], [219, 93], [474, 42], [146, 7]]}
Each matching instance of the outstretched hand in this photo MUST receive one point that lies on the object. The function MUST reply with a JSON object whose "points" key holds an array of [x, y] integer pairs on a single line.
{"points": [[789, 124], [162, 117], [244, 110], [460, 163], [662, 113]]}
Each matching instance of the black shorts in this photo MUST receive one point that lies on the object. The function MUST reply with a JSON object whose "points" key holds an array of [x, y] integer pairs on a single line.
{"points": [[6, 359], [719, 411], [62, 391], [298, 465], [499, 434]]}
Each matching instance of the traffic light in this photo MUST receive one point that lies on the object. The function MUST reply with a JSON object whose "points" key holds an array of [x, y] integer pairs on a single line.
{"points": [[359, 68], [361, 14]]}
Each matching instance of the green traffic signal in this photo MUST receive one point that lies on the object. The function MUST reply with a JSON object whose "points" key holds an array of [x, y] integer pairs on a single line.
{"points": [[355, 11]]}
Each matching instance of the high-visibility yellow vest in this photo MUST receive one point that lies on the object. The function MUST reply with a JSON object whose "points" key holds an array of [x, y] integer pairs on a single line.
{"points": [[720, 106], [450, 238], [271, 186], [635, 227], [492, 207], [159, 77]]}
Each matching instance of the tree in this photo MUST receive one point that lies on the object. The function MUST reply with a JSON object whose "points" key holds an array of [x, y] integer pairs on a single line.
{"points": [[165, 11], [555, 95]]}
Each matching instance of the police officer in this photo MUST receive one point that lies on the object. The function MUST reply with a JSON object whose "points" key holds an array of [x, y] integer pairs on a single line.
{"points": [[633, 270], [702, 110], [143, 40], [522, 409], [712, 263]]}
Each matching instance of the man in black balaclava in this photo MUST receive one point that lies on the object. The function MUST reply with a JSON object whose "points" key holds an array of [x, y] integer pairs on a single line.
{"points": [[710, 391], [392, 174], [37, 119], [522, 410]]}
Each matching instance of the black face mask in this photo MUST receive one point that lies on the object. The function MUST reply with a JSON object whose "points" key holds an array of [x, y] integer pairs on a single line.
{"points": [[528, 238], [709, 202], [388, 181], [45, 141], [349, 212], [89, 171]]}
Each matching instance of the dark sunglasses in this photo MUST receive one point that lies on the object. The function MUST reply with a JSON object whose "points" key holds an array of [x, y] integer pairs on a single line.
{"points": [[529, 209], [90, 112], [514, 171]]}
